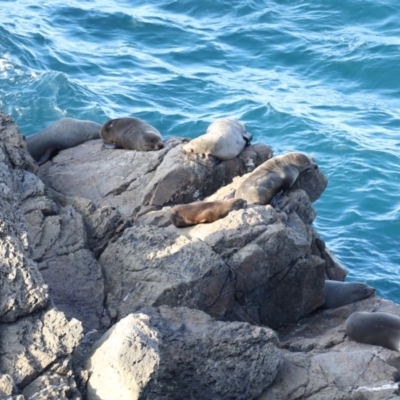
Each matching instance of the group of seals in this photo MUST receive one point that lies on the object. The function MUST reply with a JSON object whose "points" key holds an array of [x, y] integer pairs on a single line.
{"points": [[127, 133], [276, 174], [203, 211], [61, 135], [224, 139], [375, 328]]}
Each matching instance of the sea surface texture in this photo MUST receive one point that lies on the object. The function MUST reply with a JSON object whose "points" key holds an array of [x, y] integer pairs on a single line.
{"points": [[319, 77]]}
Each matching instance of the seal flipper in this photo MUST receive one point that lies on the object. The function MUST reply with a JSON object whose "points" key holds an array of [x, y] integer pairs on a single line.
{"points": [[247, 137], [277, 198], [47, 155], [107, 145]]}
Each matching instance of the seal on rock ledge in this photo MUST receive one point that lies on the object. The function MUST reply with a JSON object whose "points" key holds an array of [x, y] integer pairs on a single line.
{"points": [[338, 294], [276, 174], [131, 133], [203, 211], [376, 328], [224, 139], [61, 135]]}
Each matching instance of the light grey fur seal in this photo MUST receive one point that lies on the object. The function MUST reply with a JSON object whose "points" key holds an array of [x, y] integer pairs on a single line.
{"points": [[131, 133], [203, 211], [224, 139], [338, 294], [63, 134], [276, 174], [377, 328]]}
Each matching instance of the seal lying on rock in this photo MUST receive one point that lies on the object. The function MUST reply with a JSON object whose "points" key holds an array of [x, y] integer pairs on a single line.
{"points": [[203, 211], [377, 328], [63, 134], [338, 294], [131, 134], [224, 139], [276, 174]]}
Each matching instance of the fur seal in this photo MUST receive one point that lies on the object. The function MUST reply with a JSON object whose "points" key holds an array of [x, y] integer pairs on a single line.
{"points": [[276, 174], [131, 134], [338, 294], [377, 328], [63, 134], [224, 139], [203, 211]]}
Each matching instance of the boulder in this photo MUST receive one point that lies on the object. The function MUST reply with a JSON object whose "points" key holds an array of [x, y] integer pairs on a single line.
{"points": [[123, 362], [153, 266], [179, 353]]}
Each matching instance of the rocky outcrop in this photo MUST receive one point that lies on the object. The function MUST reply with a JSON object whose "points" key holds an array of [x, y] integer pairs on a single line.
{"points": [[22, 288], [87, 247], [206, 267], [159, 353], [34, 336]]}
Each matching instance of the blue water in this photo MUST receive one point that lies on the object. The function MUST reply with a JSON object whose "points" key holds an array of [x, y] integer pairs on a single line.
{"points": [[321, 77]]}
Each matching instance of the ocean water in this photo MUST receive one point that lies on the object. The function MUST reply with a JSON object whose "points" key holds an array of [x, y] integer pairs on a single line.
{"points": [[320, 77]]}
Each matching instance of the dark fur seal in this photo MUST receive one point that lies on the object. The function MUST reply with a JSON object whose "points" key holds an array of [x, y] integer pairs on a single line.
{"points": [[63, 134], [338, 294], [377, 328], [131, 134], [276, 174], [203, 211]]}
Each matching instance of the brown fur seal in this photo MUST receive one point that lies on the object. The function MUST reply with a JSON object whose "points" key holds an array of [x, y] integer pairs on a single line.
{"points": [[63, 134], [203, 211], [224, 139], [377, 328], [277, 173], [338, 294], [131, 134]]}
